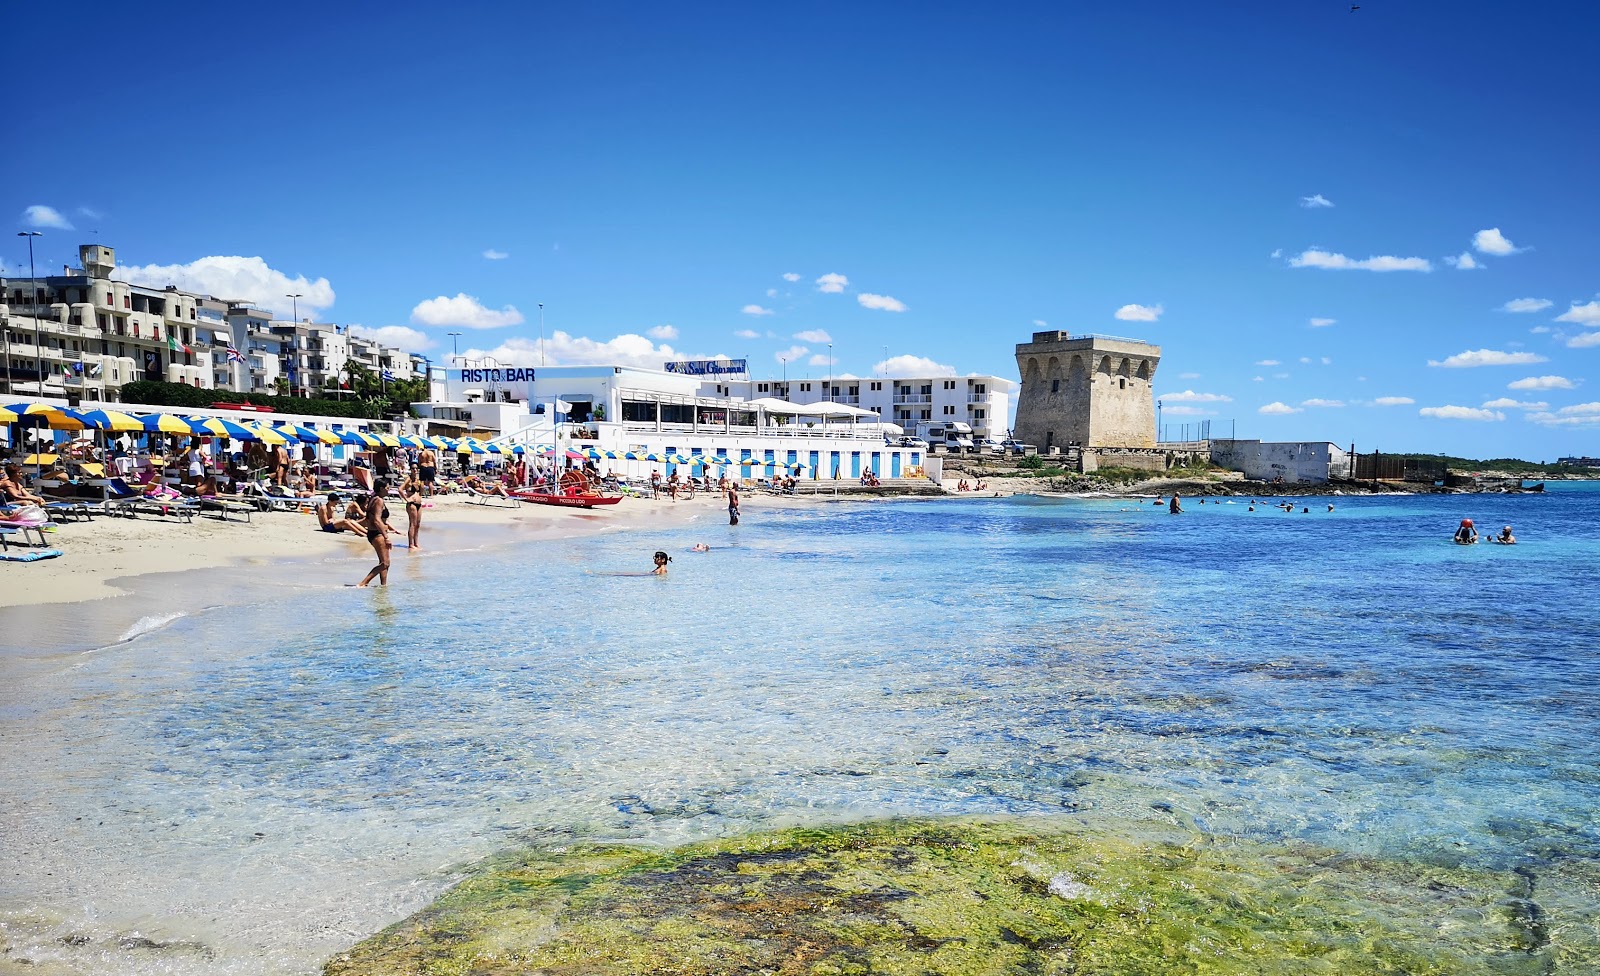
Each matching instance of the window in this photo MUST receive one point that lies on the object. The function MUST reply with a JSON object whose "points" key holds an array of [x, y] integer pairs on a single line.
{"points": [[978, 389], [805, 387], [949, 411], [927, 415], [1055, 386], [1122, 384], [761, 387], [977, 414]]}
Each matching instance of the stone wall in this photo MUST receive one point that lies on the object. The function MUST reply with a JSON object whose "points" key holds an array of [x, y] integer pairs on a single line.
{"points": [[1293, 462]]}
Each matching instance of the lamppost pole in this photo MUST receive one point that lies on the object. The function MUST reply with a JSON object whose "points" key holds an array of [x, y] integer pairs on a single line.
{"points": [[294, 306], [829, 396], [1158, 421], [33, 305], [455, 347], [541, 334]]}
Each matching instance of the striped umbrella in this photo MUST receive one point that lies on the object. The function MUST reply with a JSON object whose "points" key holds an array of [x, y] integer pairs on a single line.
{"points": [[494, 448], [33, 409], [471, 445], [653, 456], [110, 420], [519, 450], [165, 423], [406, 440], [385, 439], [751, 460], [722, 459], [219, 427], [8, 416], [267, 435], [593, 454], [304, 435], [359, 438], [326, 436]]}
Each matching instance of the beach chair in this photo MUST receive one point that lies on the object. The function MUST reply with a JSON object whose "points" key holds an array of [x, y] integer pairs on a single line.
{"points": [[70, 509], [491, 500], [125, 501], [9, 528], [224, 508]]}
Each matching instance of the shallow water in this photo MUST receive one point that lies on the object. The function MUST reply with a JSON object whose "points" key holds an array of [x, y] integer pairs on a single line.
{"points": [[250, 789]]}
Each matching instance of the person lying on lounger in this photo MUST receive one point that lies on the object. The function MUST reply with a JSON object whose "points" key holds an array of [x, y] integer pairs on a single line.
{"points": [[482, 487]]}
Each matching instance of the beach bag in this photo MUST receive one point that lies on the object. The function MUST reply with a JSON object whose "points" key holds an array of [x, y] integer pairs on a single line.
{"points": [[27, 515]]}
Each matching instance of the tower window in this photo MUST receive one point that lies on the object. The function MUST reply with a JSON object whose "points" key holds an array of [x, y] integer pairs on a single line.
{"points": [[1055, 386]]}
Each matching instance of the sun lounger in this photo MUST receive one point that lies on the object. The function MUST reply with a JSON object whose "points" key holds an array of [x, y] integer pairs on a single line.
{"points": [[223, 508], [491, 499], [8, 529], [70, 510], [169, 508]]}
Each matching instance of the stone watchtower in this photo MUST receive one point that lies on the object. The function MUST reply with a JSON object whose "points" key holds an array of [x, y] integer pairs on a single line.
{"points": [[1092, 391]]}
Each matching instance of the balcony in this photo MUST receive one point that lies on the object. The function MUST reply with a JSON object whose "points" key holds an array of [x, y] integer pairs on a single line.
{"points": [[912, 398], [977, 398]]}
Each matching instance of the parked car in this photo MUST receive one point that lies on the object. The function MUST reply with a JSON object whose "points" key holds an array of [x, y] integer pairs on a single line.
{"points": [[913, 442], [1013, 446]]}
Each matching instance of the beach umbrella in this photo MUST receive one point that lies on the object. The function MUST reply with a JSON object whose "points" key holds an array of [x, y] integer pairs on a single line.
{"points": [[593, 454], [326, 436], [165, 423], [678, 459], [219, 427], [110, 420], [385, 439], [33, 409], [470, 444], [304, 435], [407, 440], [267, 435], [8, 416], [519, 450]]}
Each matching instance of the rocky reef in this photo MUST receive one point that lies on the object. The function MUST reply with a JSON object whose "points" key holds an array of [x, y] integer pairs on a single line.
{"points": [[990, 897]]}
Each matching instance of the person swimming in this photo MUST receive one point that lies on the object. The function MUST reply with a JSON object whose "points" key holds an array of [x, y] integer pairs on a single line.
{"points": [[700, 547], [1466, 535], [1505, 538], [661, 564]]}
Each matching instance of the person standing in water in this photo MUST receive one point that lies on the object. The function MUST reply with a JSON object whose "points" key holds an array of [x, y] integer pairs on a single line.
{"points": [[375, 519], [1466, 535], [733, 503], [1173, 507], [411, 494], [1505, 538], [661, 564]]}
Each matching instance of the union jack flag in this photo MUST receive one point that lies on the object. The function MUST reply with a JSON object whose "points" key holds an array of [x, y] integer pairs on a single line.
{"points": [[234, 355]]}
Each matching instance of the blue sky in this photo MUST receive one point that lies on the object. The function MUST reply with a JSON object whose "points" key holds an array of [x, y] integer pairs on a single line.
{"points": [[652, 172]]}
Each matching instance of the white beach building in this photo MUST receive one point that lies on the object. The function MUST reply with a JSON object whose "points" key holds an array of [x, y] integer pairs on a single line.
{"points": [[625, 408], [982, 401]]}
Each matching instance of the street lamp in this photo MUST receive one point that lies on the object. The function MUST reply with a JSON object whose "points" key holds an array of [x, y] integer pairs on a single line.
{"points": [[294, 305], [829, 396], [33, 304], [541, 334], [455, 347], [1158, 421]]}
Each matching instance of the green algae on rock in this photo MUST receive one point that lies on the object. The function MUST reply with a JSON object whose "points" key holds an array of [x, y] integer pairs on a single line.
{"points": [[989, 897]]}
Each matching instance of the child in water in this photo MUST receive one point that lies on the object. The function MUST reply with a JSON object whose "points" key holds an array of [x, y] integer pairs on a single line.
{"points": [[661, 564]]}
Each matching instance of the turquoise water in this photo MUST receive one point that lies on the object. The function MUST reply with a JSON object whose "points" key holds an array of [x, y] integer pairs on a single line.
{"points": [[1349, 679]]}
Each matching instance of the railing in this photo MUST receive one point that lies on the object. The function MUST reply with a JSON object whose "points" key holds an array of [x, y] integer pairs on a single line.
{"points": [[831, 431], [912, 398], [977, 398]]}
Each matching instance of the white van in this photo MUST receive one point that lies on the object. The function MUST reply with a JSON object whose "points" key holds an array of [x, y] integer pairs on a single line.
{"points": [[953, 434]]}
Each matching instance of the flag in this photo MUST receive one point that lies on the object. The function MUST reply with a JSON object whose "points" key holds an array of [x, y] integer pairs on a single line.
{"points": [[234, 355], [388, 376], [174, 345]]}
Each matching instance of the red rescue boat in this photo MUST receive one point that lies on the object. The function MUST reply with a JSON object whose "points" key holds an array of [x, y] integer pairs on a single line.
{"points": [[565, 501]]}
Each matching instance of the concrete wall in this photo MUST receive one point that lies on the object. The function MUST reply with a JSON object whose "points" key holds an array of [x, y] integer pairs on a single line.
{"points": [[1294, 462]]}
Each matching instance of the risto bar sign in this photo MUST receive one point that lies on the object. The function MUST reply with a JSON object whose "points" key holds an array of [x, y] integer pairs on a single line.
{"points": [[509, 374]]}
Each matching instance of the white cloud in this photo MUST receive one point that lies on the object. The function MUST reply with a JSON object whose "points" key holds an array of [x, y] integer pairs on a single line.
{"points": [[563, 349], [1463, 262], [402, 336], [1041, 323], [819, 359], [494, 255], [1491, 241], [748, 334], [912, 366], [1526, 305], [791, 276], [1506, 403], [1315, 202], [772, 293], [1277, 407], [813, 335], [1277, 252], [1185, 411], [1258, 379], [832, 283], [755, 310], [1488, 357], [1542, 383], [1280, 376], [1451, 412], [90, 212], [237, 278], [40, 215], [1314, 402], [1581, 408], [1393, 401], [663, 332], [1318, 258], [881, 302], [1188, 376], [791, 354], [1139, 313], [1584, 341], [1305, 360], [1268, 362], [1582, 314], [1326, 360], [1540, 329], [1571, 420], [1190, 396], [463, 311], [1322, 323]]}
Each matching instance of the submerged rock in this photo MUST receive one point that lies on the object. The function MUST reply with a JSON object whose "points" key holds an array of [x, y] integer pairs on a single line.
{"points": [[965, 897]]}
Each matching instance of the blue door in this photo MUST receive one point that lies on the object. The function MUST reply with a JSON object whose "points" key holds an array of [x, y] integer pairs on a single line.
{"points": [[877, 464], [833, 464], [670, 466], [855, 464], [770, 455], [815, 474], [894, 465]]}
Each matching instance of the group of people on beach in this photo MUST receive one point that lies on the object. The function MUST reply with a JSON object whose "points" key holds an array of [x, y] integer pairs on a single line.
{"points": [[369, 516]]}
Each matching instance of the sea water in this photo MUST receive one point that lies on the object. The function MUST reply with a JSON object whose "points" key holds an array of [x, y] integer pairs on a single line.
{"points": [[253, 788]]}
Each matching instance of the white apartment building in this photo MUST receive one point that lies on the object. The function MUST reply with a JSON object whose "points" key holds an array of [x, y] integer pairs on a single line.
{"points": [[84, 334], [982, 401]]}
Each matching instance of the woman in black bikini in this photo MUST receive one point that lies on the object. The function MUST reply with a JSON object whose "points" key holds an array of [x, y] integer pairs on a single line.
{"points": [[411, 494], [376, 522]]}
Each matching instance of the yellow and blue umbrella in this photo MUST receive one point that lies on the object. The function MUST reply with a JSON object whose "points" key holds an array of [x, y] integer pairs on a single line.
{"points": [[471, 445], [110, 420], [33, 409], [165, 423], [326, 436], [267, 435], [304, 435], [385, 439], [219, 427], [8, 416], [722, 459], [592, 454], [406, 440]]}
